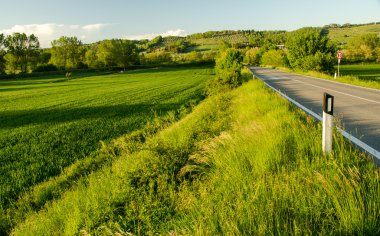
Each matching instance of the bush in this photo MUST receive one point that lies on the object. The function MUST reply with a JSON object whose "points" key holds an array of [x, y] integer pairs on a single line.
{"points": [[275, 58], [228, 71], [252, 56], [45, 68]]}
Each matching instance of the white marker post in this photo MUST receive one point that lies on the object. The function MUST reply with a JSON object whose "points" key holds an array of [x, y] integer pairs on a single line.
{"points": [[327, 133]]}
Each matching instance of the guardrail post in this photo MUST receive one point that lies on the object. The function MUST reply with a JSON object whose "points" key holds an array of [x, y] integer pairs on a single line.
{"points": [[327, 133]]}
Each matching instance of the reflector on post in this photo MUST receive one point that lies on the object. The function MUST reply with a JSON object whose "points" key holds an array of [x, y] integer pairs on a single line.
{"points": [[328, 103], [327, 132]]}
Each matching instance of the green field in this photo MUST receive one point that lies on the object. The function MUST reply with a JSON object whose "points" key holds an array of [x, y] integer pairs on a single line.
{"points": [[48, 124], [367, 72], [244, 162]]}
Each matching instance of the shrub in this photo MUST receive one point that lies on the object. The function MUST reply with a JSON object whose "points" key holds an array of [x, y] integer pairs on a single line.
{"points": [[228, 71], [275, 58], [45, 68]]}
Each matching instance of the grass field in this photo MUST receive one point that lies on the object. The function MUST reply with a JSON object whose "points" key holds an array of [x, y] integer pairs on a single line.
{"points": [[48, 124], [366, 72], [244, 162]]}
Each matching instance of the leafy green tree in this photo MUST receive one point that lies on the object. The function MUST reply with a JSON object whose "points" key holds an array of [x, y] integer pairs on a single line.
{"points": [[22, 52], [309, 49], [127, 53], [2, 53], [252, 56], [116, 53], [67, 52], [91, 58], [275, 58], [364, 48], [228, 71], [157, 57]]}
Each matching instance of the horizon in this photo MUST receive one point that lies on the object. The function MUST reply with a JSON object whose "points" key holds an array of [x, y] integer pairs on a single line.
{"points": [[99, 20]]}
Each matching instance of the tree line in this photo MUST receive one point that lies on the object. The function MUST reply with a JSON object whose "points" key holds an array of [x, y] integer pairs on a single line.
{"points": [[311, 49], [21, 53]]}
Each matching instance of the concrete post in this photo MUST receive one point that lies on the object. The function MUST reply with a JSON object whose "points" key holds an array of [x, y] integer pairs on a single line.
{"points": [[327, 132]]}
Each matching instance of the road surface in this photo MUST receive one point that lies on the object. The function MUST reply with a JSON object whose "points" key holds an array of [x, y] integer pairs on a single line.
{"points": [[358, 108]]}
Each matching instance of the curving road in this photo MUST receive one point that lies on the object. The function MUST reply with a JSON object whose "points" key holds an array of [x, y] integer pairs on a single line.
{"points": [[358, 108]]}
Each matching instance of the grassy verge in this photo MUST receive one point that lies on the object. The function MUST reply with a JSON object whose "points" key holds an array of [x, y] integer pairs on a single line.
{"points": [[364, 76], [243, 162]]}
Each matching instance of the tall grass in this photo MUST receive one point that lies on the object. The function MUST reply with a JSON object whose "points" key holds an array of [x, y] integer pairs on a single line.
{"points": [[269, 176], [244, 162]]}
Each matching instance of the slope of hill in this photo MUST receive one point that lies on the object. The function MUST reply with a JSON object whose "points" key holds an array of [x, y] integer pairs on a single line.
{"points": [[342, 35]]}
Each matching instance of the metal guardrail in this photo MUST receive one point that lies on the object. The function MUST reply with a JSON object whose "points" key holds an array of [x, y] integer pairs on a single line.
{"points": [[357, 142]]}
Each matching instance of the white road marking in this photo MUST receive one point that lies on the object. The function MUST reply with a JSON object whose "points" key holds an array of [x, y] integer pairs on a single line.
{"points": [[365, 99]]}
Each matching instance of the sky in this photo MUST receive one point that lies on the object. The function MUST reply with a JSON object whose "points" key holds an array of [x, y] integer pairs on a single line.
{"points": [[93, 20]]}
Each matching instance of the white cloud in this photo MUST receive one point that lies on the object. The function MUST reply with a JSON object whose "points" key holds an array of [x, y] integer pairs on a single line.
{"points": [[37, 29], [94, 27], [48, 32], [177, 32]]}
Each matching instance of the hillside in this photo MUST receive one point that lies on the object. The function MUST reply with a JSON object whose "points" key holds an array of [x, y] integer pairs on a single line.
{"points": [[342, 35], [250, 38]]}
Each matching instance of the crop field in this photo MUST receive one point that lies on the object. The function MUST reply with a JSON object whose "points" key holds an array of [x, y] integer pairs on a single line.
{"points": [[49, 123], [368, 72]]}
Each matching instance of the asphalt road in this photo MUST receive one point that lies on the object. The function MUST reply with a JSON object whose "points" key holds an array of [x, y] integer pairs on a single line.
{"points": [[357, 108]]}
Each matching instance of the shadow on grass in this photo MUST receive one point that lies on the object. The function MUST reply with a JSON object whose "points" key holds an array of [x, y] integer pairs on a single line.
{"points": [[14, 119]]}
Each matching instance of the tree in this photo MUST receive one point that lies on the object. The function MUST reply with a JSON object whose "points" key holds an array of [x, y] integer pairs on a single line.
{"points": [[22, 52], [117, 53], [252, 56], [275, 58], [2, 53], [127, 53], [67, 52], [228, 71], [364, 48], [308, 49]]}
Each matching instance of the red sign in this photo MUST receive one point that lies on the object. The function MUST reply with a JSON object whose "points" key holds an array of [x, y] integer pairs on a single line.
{"points": [[339, 55]]}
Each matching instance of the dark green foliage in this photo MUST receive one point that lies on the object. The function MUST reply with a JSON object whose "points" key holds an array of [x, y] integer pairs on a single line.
{"points": [[309, 50], [45, 68], [2, 53]]}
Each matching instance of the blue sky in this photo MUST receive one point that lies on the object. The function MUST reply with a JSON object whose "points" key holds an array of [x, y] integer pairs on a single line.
{"points": [[93, 20]]}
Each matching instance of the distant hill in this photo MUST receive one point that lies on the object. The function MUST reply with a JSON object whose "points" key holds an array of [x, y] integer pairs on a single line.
{"points": [[211, 40], [342, 34]]}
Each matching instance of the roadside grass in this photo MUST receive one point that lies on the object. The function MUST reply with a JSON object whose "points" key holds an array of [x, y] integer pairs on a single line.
{"points": [[367, 72], [48, 124], [361, 75], [243, 162], [268, 176]]}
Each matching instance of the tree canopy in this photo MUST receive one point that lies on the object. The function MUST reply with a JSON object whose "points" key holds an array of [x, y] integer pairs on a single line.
{"points": [[22, 51], [66, 52], [309, 49]]}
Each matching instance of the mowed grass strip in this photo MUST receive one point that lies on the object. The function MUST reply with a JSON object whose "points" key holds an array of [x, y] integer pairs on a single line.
{"points": [[368, 72], [48, 123]]}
